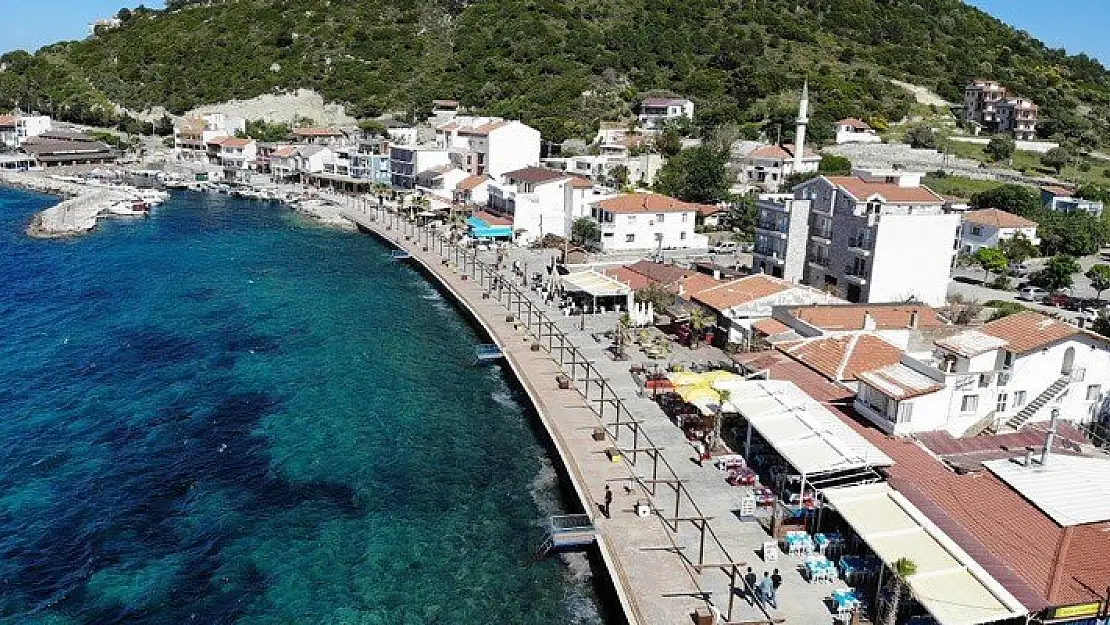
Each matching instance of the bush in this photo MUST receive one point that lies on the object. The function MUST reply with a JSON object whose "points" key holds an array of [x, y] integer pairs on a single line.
{"points": [[1002, 283], [1004, 309]]}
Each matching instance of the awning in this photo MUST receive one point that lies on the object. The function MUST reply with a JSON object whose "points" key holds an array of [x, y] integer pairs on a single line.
{"points": [[948, 582], [482, 230], [804, 432], [595, 284]]}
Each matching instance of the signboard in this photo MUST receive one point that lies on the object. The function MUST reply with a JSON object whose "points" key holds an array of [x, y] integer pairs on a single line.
{"points": [[747, 506], [1074, 611]]}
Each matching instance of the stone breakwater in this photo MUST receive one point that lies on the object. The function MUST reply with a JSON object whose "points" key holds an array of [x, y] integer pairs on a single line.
{"points": [[75, 214]]}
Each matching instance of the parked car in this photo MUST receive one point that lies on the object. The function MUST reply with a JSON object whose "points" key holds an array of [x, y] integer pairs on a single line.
{"points": [[725, 247], [1032, 294], [1058, 299], [1019, 270]]}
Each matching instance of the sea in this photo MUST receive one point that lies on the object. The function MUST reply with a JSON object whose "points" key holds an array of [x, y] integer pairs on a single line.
{"points": [[226, 414]]}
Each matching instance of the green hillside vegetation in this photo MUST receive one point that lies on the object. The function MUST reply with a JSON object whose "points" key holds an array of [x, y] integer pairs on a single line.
{"points": [[562, 65]]}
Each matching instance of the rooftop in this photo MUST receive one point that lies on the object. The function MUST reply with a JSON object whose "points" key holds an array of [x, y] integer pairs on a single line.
{"points": [[535, 175], [998, 219], [1058, 190], [7, 121], [844, 357], [854, 123], [863, 190], [471, 182], [1028, 331], [741, 291], [898, 381], [1072, 490], [783, 152], [771, 327], [838, 317], [645, 203], [971, 343], [317, 132], [492, 220]]}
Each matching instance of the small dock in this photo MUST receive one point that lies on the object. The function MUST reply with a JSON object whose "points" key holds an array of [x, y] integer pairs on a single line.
{"points": [[487, 353], [400, 255]]}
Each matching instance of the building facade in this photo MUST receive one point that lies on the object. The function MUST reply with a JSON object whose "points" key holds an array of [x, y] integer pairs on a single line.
{"points": [[852, 130], [646, 221], [877, 236], [1063, 200], [192, 134], [781, 234], [986, 105], [990, 226], [655, 113]]}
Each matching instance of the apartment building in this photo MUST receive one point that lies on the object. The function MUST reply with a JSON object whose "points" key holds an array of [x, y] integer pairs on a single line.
{"points": [[489, 146], [192, 134], [1062, 200], [874, 236], [646, 221], [986, 104], [989, 227], [655, 113], [541, 201], [232, 152], [405, 162]]}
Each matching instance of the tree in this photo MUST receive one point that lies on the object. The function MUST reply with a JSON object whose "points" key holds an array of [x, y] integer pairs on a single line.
{"points": [[585, 230], [794, 180], [990, 260], [657, 295], [741, 216], [1056, 158], [669, 142], [372, 127], [898, 587], [699, 318], [1001, 147], [124, 15], [1012, 198], [618, 176], [834, 165], [1057, 274], [695, 175], [1099, 275], [921, 137], [1093, 192], [1017, 248], [164, 126], [723, 395]]}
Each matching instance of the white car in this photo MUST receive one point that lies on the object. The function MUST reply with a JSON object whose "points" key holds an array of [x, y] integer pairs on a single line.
{"points": [[1032, 294], [725, 247]]}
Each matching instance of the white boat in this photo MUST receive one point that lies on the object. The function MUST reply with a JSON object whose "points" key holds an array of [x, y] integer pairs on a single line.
{"points": [[129, 208]]}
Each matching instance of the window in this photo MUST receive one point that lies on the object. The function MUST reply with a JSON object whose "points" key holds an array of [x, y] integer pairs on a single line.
{"points": [[1093, 391], [659, 218], [682, 236], [1000, 405], [629, 238], [976, 231], [684, 215], [970, 403], [658, 236], [905, 411]]}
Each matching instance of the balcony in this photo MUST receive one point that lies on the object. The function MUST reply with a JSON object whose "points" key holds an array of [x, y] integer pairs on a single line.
{"points": [[818, 261], [774, 256], [860, 247], [821, 236], [776, 228], [854, 274]]}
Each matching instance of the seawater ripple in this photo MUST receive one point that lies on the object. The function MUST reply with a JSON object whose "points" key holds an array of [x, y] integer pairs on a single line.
{"points": [[225, 415]]}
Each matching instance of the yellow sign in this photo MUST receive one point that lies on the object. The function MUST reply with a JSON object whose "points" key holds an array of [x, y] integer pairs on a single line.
{"points": [[1080, 609]]}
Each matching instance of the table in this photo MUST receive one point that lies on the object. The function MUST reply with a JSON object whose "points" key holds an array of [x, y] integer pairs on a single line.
{"points": [[820, 569], [845, 600], [856, 568], [798, 543]]}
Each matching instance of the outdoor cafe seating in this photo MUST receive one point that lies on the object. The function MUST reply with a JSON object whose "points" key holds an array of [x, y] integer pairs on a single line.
{"points": [[845, 600], [820, 569], [858, 569], [798, 543]]}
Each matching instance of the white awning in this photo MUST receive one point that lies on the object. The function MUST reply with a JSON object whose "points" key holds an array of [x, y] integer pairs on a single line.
{"points": [[804, 432], [595, 284], [948, 582]]}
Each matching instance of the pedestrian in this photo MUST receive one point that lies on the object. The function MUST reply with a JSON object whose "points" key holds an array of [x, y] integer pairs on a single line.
{"points": [[608, 501], [776, 579], [749, 585], [767, 589]]}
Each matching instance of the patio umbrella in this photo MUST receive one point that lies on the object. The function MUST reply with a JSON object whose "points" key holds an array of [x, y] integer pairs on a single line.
{"points": [[716, 376], [684, 378]]}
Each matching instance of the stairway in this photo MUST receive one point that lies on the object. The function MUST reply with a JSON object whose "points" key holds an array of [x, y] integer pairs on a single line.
{"points": [[1034, 406]]}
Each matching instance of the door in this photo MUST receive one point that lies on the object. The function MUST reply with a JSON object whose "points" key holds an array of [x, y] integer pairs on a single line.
{"points": [[1069, 360]]}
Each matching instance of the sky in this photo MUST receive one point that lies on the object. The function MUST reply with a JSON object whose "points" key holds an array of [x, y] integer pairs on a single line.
{"points": [[29, 24]]}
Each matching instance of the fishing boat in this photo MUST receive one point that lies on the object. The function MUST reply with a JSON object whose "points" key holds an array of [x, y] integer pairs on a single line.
{"points": [[400, 255]]}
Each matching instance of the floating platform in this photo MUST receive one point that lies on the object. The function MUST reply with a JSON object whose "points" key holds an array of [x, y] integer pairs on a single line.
{"points": [[487, 353], [567, 531], [400, 255]]}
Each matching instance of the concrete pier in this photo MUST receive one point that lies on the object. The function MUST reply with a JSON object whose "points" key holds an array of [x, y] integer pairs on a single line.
{"points": [[76, 214]]}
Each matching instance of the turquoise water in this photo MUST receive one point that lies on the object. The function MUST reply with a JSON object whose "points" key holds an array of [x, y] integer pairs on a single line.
{"points": [[223, 414]]}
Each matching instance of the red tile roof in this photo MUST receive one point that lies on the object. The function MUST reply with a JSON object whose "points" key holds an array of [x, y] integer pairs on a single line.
{"points": [[7, 121], [998, 219], [741, 291], [784, 152], [317, 132], [843, 358], [694, 284], [1058, 191], [854, 123], [863, 190], [471, 182], [579, 182], [852, 316], [491, 219], [535, 175], [770, 327], [1029, 331], [645, 203], [634, 280], [484, 129]]}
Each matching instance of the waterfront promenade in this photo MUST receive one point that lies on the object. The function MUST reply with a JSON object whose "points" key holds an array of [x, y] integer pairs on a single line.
{"points": [[660, 575]]}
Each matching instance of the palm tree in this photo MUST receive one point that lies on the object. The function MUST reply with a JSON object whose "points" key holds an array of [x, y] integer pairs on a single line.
{"points": [[698, 320], [723, 395], [902, 568]]}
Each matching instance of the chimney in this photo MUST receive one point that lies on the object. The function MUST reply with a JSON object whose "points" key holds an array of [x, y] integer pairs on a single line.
{"points": [[1029, 457], [913, 319], [868, 320], [1050, 437]]}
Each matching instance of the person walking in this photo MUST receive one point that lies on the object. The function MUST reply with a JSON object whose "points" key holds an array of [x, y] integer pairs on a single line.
{"points": [[750, 581], [608, 501], [767, 589], [776, 580]]}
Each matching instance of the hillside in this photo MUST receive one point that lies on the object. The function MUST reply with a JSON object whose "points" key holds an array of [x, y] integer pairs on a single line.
{"points": [[561, 65]]}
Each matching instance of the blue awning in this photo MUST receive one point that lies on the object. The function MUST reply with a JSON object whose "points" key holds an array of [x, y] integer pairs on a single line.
{"points": [[479, 229]]}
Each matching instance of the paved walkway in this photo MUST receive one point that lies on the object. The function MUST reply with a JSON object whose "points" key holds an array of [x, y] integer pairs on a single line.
{"points": [[652, 566]]}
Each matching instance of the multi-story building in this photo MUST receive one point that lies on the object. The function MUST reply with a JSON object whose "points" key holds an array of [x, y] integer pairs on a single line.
{"points": [[656, 112], [9, 137], [16, 129], [541, 201], [319, 136], [990, 226], [640, 169], [407, 161], [1063, 200], [740, 304], [232, 152], [1010, 372], [489, 145], [646, 221], [764, 167], [874, 236], [370, 161], [781, 236], [852, 130], [192, 134], [986, 104]]}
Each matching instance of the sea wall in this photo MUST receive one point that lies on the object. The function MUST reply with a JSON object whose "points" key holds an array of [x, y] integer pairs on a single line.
{"points": [[74, 215]]}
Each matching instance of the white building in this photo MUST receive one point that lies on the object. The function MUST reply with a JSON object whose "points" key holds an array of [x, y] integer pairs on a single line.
{"points": [[441, 181], [1063, 200], [473, 190], [232, 152], [646, 221], [852, 130], [489, 145], [1010, 372], [989, 226], [762, 167], [541, 201], [641, 169], [656, 112], [16, 129], [192, 134], [313, 159], [986, 105], [407, 161], [877, 236]]}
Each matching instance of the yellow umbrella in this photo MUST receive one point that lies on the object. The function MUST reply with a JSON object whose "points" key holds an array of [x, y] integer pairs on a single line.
{"points": [[692, 394], [684, 378], [718, 375]]}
